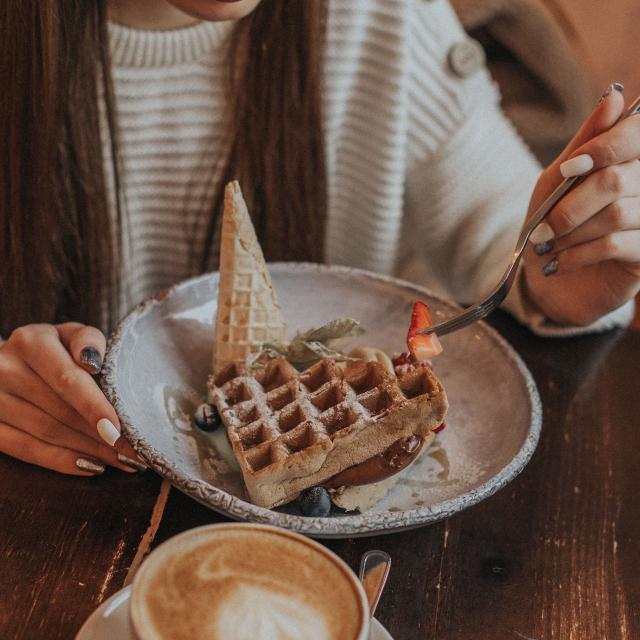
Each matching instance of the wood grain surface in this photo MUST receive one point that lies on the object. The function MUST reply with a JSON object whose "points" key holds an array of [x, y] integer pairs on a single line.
{"points": [[554, 555], [65, 544]]}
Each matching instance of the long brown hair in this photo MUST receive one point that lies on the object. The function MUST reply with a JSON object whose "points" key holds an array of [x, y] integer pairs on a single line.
{"points": [[60, 245]]}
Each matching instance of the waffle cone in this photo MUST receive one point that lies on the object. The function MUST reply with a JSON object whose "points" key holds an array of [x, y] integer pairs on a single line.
{"points": [[248, 312]]}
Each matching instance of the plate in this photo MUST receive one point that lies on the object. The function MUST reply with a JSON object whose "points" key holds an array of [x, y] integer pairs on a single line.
{"points": [[111, 620], [159, 358]]}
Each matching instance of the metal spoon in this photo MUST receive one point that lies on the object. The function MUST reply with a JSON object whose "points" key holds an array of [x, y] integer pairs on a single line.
{"points": [[374, 569]]}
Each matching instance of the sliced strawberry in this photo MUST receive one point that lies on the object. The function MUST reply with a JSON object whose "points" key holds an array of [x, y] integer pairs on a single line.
{"points": [[399, 359], [422, 347], [439, 428]]}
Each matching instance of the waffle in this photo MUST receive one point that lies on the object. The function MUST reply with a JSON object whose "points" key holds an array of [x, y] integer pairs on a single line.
{"points": [[248, 312], [290, 431]]}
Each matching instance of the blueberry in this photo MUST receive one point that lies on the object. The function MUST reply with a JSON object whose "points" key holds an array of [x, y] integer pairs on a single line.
{"points": [[315, 502], [207, 417]]}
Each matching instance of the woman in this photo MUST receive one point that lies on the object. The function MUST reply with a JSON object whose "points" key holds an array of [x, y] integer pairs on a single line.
{"points": [[362, 133]]}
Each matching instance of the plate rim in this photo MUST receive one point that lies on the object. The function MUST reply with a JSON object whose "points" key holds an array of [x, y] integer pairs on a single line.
{"points": [[366, 524]]}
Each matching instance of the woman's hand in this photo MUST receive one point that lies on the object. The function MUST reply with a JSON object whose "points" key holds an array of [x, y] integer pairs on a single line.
{"points": [[586, 262], [50, 405]]}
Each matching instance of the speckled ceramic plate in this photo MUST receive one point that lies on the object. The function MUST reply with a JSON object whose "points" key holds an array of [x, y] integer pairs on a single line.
{"points": [[159, 358]]}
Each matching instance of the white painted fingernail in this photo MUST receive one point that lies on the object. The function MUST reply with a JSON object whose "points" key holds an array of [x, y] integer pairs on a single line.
{"points": [[576, 166], [542, 233], [107, 431]]}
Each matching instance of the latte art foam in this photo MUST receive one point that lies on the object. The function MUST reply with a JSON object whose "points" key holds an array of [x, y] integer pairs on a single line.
{"points": [[255, 613], [244, 582]]}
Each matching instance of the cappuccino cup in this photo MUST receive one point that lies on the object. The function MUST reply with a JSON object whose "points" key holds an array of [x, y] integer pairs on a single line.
{"points": [[245, 582]]}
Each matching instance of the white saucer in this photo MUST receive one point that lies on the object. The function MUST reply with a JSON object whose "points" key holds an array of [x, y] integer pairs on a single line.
{"points": [[111, 620]]}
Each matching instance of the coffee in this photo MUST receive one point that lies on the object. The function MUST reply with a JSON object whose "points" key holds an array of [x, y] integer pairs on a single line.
{"points": [[237, 581]]}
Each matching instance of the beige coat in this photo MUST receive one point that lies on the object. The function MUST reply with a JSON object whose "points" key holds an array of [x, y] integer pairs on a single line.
{"points": [[546, 90]]}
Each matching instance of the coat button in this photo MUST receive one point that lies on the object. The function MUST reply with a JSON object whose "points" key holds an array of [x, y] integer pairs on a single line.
{"points": [[466, 57]]}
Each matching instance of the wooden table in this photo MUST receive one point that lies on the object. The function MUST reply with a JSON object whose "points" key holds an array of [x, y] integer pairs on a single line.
{"points": [[555, 554]]}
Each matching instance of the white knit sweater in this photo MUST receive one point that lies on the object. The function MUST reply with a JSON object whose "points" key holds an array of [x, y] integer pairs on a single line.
{"points": [[426, 177]]}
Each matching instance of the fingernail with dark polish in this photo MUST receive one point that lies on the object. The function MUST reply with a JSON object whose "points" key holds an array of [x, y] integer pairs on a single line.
{"points": [[90, 465], [551, 267], [541, 248], [134, 464], [91, 358], [614, 86]]}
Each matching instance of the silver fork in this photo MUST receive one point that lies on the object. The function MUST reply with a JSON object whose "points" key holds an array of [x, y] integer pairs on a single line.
{"points": [[494, 299]]}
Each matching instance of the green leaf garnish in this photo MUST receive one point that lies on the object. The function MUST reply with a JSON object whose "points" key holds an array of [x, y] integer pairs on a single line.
{"points": [[311, 346]]}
